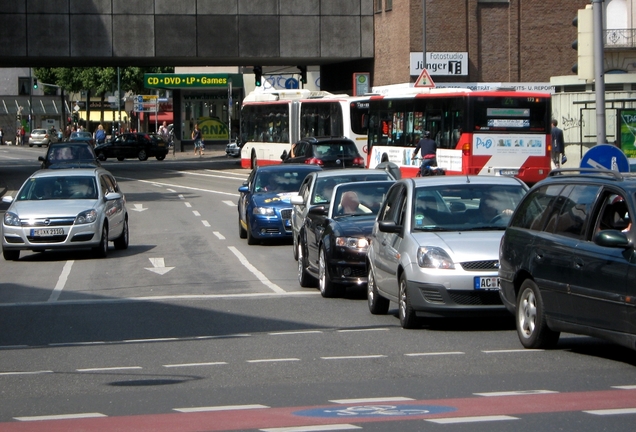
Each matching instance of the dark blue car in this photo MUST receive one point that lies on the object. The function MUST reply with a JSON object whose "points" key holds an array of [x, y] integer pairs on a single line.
{"points": [[264, 208]]}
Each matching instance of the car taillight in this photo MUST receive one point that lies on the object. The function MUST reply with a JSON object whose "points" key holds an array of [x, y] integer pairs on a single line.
{"points": [[314, 161], [358, 161]]}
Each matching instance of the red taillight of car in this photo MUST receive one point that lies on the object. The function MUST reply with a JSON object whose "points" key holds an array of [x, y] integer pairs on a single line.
{"points": [[358, 161], [314, 161]]}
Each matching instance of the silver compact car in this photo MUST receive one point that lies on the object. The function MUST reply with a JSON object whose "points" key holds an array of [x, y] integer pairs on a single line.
{"points": [[65, 209], [39, 137], [434, 247]]}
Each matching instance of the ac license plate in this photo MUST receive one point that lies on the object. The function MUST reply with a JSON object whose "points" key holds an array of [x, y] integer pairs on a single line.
{"points": [[487, 283], [47, 232], [509, 172]]}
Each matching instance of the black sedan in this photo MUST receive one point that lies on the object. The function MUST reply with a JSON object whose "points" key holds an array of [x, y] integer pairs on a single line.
{"points": [[133, 145], [326, 152], [337, 236]]}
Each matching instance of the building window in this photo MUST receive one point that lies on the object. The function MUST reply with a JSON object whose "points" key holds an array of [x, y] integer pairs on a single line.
{"points": [[389, 5], [378, 6]]}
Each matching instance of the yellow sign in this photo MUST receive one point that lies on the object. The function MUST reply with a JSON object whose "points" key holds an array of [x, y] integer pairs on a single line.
{"points": [[424, 80], [213, 129]]}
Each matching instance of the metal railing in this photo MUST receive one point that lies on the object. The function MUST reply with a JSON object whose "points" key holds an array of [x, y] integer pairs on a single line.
{"points": [[620, 38]]}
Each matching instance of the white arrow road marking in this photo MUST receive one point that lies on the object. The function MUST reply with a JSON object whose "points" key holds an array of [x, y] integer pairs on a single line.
{"points": [[139, 208], [158, 266]]}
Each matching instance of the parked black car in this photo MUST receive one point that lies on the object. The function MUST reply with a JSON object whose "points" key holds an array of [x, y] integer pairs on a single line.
{"points": [[336, 236], [69, 155], [328, 152], [133, 145], [568, 261]]}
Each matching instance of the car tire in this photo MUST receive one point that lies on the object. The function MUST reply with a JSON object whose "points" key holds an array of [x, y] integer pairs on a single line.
{"points": [[378, 305], [121, 242], [160, 158], [532, 328], [142, 155], [101, 250], [295, 248], [11, 255], [119, 158], [327, 288], [242, 231], [304, 278], [30, 145], [251, 240], [408, 320], [101, 157]]}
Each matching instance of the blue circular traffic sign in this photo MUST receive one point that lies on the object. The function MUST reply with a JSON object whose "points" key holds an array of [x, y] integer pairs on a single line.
{"points": [[291, 83], [605, 156]]}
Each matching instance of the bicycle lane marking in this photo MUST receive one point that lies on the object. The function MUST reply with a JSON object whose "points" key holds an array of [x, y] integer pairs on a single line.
{"points": [[477, 407]]}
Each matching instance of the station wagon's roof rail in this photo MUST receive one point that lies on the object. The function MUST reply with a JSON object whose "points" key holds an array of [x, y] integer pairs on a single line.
{"points": [[616, 175]]}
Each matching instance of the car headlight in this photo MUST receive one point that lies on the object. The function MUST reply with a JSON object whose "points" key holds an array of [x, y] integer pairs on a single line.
{"points": [[264, 211], [11, 219], [434, 257], [352, 242], [86, 217]]}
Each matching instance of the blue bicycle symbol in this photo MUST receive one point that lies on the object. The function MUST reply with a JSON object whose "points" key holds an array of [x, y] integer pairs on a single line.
{"points": [[376, 411]]}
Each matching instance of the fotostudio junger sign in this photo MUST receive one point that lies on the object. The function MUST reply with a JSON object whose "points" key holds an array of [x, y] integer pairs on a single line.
{"points": [[441, 63]]}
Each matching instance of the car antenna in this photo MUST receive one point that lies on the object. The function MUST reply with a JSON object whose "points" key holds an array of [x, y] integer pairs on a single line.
{"points": [[467, 179]]}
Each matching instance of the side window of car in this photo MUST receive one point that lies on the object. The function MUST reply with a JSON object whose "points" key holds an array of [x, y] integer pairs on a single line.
{"points": [[575, 212], [113, 183], [104, 185], [613, 213], [392, 204], [535, 209]]}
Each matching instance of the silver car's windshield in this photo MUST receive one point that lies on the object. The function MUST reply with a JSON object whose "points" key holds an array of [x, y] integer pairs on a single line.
{"points": [[465, 207], [58, 188]]}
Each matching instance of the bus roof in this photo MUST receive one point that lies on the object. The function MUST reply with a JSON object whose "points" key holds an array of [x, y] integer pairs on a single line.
{"points": [[413, 92], [289, 95]]}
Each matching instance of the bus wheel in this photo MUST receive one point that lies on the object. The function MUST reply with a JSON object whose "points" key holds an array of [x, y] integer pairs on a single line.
{"points": [[253, 162]]}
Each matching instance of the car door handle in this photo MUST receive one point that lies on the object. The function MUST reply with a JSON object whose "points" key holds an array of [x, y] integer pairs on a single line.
{"points": [[578, 263]]}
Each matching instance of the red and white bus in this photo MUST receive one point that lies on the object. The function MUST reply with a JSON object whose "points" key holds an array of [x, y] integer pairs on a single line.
{"points": [[272, 120], [497, 132]]}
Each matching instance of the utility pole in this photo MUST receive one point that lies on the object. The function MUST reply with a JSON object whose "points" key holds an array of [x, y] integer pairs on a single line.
{"points": [[424, 34], [599, 70]]}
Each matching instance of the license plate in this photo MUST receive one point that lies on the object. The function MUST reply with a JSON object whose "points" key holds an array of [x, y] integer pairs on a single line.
{"points": [[486, 283], [509, 172], [47, 232], [162, 145]]}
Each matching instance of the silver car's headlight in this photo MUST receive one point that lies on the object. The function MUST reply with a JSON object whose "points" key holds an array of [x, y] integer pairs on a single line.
{"points": [[264, 211], [86, 217], [434, 257], [11, 219], [352, 242]]}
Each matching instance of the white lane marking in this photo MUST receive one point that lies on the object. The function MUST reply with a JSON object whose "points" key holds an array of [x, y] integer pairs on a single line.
{"points": [[187, 204], [14, 346], [241, 174], [26, 373], [219, 235], [455, 420], [612, 411], [362, 330], [372, 400], [171, 190], [172, 297], [150, 340], [332, 427], [193, 364], [515, 393], [294, 332], [511, 351], [230, 203], [353, 357], [435, 353], [139, 208], [181, 196], [158, 266], [61, 282], [206, 223], [273, 360], [220, 408], [625, 387], [106, 369], [61, 417], [256, 272], [180, 186], [196, 213], [209, 175]]}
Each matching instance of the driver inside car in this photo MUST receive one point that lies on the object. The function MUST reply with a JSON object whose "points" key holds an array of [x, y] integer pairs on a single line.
{"points": [[488, 209]]}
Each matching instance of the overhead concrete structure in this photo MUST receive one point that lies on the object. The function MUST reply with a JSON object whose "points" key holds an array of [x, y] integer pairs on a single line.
{"points": [[184, 32]]}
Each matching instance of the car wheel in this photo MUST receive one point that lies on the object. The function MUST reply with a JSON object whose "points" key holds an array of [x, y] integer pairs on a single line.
{"points": [[253, 161], [40, 145], [101, 251], [142, 155], [408, 320], [30, 145], [11, 255], [121, 242], [327, 288], [160, 158], [532, 328], [378, 305], [101, 157], [304, 278], [295, 248], [251, 240], [119, 158], [242, 231]]}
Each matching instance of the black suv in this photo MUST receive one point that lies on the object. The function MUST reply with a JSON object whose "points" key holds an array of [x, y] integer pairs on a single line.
{"points": [[328, 152], [68, 154], [568, 260]]}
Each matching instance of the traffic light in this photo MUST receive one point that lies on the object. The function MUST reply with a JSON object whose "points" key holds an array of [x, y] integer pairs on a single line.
{"points": [[75, 118], [35, 83], [258, 76], [584, 43], [303, 74]]}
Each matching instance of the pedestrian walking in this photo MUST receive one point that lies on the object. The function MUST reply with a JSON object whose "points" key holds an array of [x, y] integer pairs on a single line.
{"points": [[100, 135], [1, 136], [197, 137], [558, 145], [22, 135]]}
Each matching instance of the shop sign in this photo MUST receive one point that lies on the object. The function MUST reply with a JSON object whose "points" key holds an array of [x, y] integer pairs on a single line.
{"points": [[440, 63], [168, 81]]}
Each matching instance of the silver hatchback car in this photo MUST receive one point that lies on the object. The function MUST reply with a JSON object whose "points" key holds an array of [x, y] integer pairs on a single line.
{"points": [[39, 137], [434, 247], [65, 209]]}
